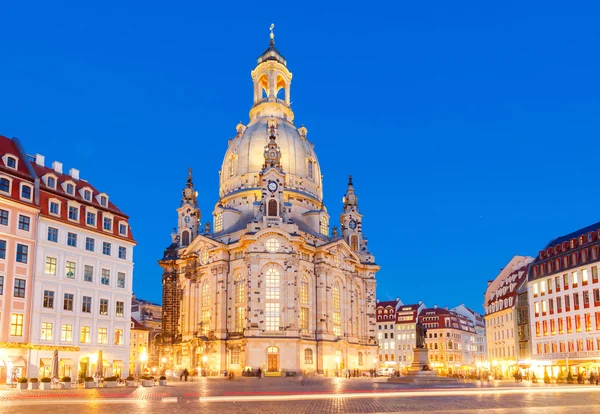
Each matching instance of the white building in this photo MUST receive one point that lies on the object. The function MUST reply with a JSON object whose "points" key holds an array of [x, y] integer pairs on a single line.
{"points": [[564, 296], [82, 278], [479, 350], [406, 319], [386, 332]]}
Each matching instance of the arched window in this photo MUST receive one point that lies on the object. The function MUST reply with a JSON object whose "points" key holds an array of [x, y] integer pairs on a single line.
{"points": [[360, 358], [219, 222], [354, 243], [185, 238], [240, 290], [308, 356], [356, 310], [204, 256], [206, 293], [584, 255], [324, 226], [4, 185], [304, 290], [337, 320], [574, 259], [232, 167], [595, 253], [310, 169], [272, 283], [272, 208], [240, 309]]}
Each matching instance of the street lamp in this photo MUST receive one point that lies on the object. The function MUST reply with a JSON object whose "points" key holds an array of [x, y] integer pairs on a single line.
{"points": [[143, 359], [204, 359]]}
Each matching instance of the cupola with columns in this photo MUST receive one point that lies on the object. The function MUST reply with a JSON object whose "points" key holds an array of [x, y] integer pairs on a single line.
{"points": [[188, 214]]}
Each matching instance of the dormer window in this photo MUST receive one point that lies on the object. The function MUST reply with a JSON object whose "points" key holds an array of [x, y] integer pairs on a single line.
{"points": [[87, 195], [51, 182], [107, 224], [103, 201], [11, 162], [70, 189], [25, 192], [4, 185], [123, 229]]}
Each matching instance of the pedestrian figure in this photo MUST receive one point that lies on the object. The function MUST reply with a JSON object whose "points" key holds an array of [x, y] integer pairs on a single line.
{"points": [[180, 375], [259, 371], [186, 373]]}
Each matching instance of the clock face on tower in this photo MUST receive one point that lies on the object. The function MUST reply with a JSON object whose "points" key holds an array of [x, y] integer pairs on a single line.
{"points": [[188, 192], [272, 155], [352, 224], [272, 186], [351, 198], [187, 219]]}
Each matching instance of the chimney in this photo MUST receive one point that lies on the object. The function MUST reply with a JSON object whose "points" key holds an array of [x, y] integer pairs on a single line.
{"points": [[420, 302], [435, 306], [39, 159], [74, 173], [397, 299], [57, 166]]}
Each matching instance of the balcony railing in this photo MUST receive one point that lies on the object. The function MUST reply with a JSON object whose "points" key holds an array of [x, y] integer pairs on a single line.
{"points": [[564, 355]]}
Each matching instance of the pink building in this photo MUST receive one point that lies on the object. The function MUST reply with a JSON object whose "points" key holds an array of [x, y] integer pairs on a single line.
{"points": [[18, 218]]}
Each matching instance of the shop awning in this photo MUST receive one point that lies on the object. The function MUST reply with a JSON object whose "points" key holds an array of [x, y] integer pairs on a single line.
{"points": [[17, 361], [105, 363], [118, 363], [67, 362], [45, 362]]}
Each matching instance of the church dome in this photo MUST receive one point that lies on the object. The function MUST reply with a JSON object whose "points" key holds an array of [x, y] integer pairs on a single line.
{"points": [[244, 158]]}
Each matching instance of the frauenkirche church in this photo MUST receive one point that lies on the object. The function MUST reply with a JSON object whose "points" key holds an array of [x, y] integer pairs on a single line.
{"points": [[269, 286]]}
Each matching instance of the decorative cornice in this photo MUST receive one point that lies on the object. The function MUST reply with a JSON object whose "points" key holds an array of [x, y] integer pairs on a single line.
{"points": [[28, 345]]}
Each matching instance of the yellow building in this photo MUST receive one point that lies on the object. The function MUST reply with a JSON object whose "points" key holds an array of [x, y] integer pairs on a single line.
{"points": [[138, 352]]}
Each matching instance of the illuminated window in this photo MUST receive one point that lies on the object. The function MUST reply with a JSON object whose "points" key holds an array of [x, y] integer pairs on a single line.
{"points": [[204, 256], [324, 226], [304, 290], [272, 283], [337, 258], [66, 333], [304, 319], [240, 290], [584, 277], [272, 244], [46, 331], [85, 336], [235, 355], [337, 324], [118, 336], [205, 321], [206, 293], [70, 270], [51, 266], [336, 295], [48, 299], [102, 337], [308, 356], [219, 222], [232, 167], [354, 243], [16, 324], [240, 316], [272, 316]]}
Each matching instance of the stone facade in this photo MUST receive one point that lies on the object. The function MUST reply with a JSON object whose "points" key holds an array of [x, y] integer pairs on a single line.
{"points": [[270, 287]]}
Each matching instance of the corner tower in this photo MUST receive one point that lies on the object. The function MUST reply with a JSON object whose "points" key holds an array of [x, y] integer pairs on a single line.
{"points": [[188, 214]]}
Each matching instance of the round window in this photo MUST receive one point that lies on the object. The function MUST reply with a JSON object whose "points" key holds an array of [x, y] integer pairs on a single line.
{"points": [[272, 244]]}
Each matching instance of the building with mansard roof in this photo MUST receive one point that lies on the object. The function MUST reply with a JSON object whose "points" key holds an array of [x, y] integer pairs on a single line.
{"points": [[271, 286]]}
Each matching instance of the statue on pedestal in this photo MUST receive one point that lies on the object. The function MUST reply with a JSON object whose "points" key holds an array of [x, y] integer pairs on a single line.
{"points": [[421, 334]]}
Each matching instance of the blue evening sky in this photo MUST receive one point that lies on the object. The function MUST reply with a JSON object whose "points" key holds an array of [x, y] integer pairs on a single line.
{"points": [[471, 128]]}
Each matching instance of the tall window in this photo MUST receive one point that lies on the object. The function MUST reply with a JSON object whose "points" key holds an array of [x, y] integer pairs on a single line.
{"points": [[103, 306], [119, 308], [205, 321], [120, 280], [26, 192], [70, 270], [16, 324], [90, 219], [4, 185], [48, 299], [85, 337], [337, 321], [1, 285], [52, 234], [185, 238], [68, 302], [89, 244], [22, 253], [272, 316], [4, 217], [240, 316], [310, 169], [86, 304], [272, 284], [105, 279], [206, 293], [272, 208], [304, 290], [70, 189], [122, 252], [324, 226], [219, 222], [46, 331], [102, 337], [2, 249], [53, 208], [240, 290], [88, 273], [19, 289], [72, 239], [107, 224], [231, 167], [354, 243], [308, 356], [356, 310], [51, 265], [66, 333], [73, 213], [304, 319], [24, 222], [235, 355], [106, 248], [118, 336]]}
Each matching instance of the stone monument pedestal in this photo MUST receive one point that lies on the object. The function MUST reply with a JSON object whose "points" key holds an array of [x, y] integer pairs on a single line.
{"points": [[420, 370], [420, 361]]}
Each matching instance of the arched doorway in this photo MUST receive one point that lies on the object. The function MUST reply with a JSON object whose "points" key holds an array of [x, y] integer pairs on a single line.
{"points": [[272, 359]]}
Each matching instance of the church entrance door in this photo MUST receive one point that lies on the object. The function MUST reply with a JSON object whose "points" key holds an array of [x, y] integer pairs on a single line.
{"points": [[272, 359]]}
